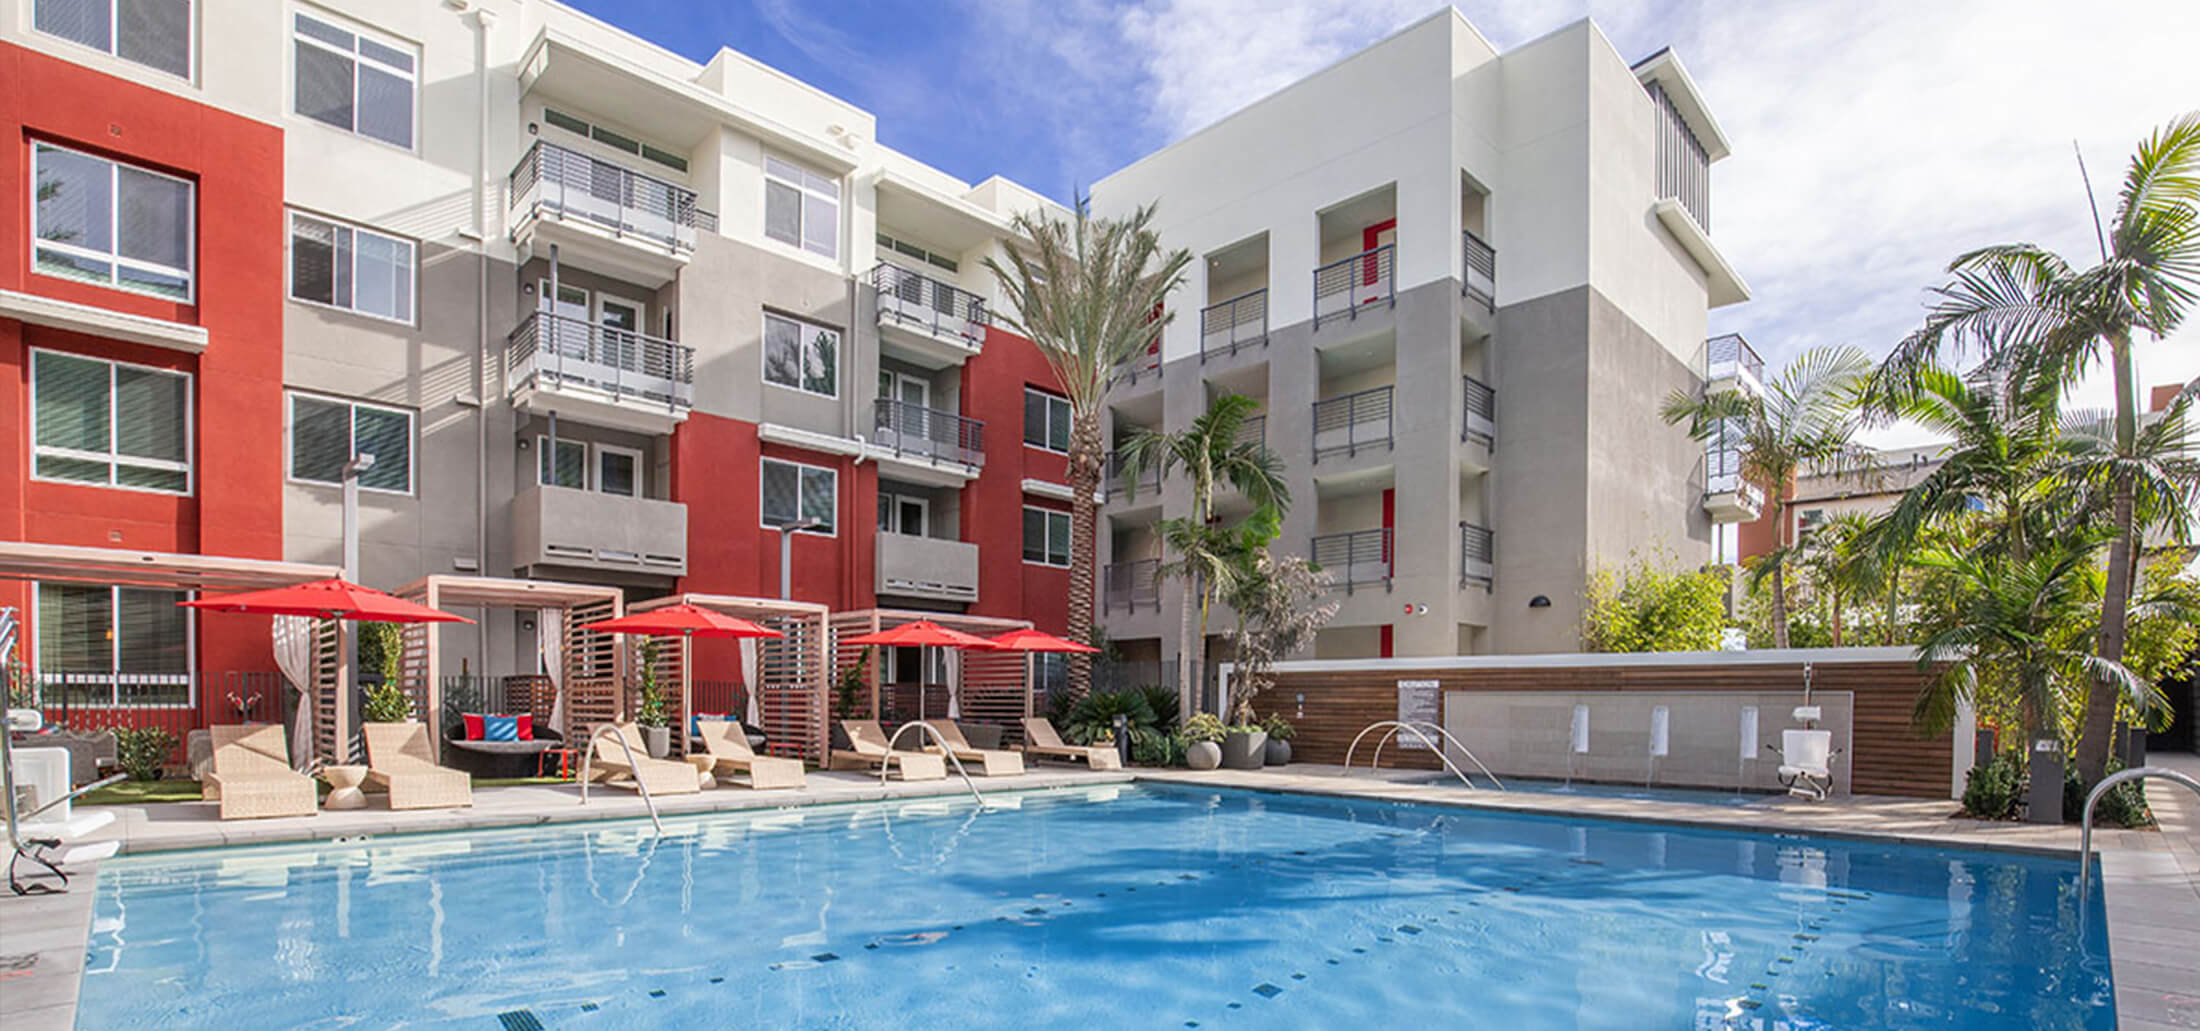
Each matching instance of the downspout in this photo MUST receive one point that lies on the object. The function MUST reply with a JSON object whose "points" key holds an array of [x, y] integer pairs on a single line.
{"points": [[482, 20]]}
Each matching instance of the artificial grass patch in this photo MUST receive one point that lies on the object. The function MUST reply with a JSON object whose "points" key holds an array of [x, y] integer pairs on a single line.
{"points": [[142, 792]]}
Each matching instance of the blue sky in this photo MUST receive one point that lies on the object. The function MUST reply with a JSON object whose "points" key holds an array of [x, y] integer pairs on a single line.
{"points": [[1873, 139]]}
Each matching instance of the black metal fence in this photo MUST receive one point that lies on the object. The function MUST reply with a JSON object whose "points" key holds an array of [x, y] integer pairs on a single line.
{"points": [[1364, 280], [1237, 323], [1481, 279], [1356, 558], [1476, 555], [913, 429], [1353, 423]]}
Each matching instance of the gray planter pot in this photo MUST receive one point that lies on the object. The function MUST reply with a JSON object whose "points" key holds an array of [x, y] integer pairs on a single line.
{"points": [[1278, 752], [1246, 750], [657, 740], [1203, 755]]}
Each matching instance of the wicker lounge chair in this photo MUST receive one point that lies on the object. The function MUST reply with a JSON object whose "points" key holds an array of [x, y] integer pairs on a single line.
{"points": [[728, 745], [1040, 741], [664, 776], [867, 750], [991, 762], [401, 759], [251, 775]]}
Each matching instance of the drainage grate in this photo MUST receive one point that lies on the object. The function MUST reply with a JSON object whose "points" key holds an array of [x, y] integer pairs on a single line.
{"points": [[519, 1020]]}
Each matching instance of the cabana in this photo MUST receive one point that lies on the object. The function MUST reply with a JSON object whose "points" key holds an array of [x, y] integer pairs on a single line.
{"points": [[791, 674], [587, 668], [991, 688]]}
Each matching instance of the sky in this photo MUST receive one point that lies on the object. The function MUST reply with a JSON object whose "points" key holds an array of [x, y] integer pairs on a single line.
{"points": [[1874, 140]]}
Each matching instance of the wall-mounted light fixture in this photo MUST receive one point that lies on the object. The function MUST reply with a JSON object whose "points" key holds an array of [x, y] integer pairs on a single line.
{"points": [[1540, 601]]}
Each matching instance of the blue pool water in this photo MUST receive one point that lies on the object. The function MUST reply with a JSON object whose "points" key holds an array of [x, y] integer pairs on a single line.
{"points": [[1101, 908]]}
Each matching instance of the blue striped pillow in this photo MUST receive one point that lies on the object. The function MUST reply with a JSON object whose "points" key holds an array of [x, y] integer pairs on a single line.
{"points": [[500, 728]]}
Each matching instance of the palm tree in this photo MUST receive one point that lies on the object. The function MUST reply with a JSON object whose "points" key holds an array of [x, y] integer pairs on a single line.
{"points": [[1805, 418], [1211, 452], [1089, 293], [1843, 566], [2005, 449], [2024, 305]]}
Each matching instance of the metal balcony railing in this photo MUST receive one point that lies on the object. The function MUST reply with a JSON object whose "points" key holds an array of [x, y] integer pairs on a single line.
{"points": [[920, 302], [567, 184], [1241, 321], [1118, 485], [1342, 288], [1730, 357], [1353, 423], [1127, 585], [1144, 365], [555, 352], [1476, 561], [1356, 558], [913, 429], [1254, 430], [1481, 281], [1478, 422]]}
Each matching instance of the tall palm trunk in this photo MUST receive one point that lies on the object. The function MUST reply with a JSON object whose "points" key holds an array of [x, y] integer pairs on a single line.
{"points": [[2097, 738], [1779, 604], [1085, 451], [1835, 599], [1187, 695]]}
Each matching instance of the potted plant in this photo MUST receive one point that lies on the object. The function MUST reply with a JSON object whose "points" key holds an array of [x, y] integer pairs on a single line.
{"points": [[379, 649], [1280, 732], [1244, 747], [1203, 736], [650, 714]]}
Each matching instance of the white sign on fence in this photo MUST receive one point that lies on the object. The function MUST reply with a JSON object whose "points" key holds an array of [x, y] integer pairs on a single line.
{"points": [[1419, 702]]}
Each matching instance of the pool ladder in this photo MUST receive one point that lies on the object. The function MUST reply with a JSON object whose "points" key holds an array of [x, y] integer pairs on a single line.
{"points": [[639, 781], [1416, 729], [2085, 834], [945, 751]]}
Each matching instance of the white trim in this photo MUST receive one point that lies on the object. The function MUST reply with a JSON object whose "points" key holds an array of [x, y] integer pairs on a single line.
{"points": [[803, 191], [291, 39], [641, 313], [542, 454], [809, 440], [113, 50], [802, 343], [93, 320], [1577, 660], [1722, 285], [113, 457], [114, 646], [1069, 527], [290, 267], [113, 256], [895, 500], [828, 470], [290, 449], [1049, 489], [595, 469]]}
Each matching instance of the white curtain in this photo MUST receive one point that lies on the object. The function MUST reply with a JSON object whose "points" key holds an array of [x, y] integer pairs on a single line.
{"points": [[292, 637], [550, 642], [749, 683], [954, 658]]}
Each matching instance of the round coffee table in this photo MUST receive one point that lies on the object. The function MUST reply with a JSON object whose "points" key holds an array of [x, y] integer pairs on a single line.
{"points": [[343, 782]]}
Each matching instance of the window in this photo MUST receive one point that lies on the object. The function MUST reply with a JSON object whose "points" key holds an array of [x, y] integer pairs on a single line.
{"points": [[801, 207], [110, 423], [350, 268], [795, 492], [352, 82], [106, 646], [617, 141], [568, 469], [889, 245], [117, 225], [1046, 420], [801, 356], [326, 432], [904, 514], [154, 33], [618, 470], [1046, 537]]}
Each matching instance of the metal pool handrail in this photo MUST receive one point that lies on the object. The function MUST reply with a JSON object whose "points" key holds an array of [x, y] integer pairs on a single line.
{"points": [[1397, 726], [1377, 761], [2085, 833], [944, 750], [639, 782]]}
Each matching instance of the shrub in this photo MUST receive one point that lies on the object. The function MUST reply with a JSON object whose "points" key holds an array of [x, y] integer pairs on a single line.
{"points": [[1204, 727], [1278, 728], [2125, 805], [1643, 607], [381, 645], [650, 712], [848, 692], [143, 751], [386, 703], [1092, 718], [1992, 789], [1156, 748], [1162, 701]]}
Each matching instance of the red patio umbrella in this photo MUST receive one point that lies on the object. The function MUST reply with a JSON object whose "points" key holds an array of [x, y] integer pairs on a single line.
{"points": [[688, 620], [1029, 640], [333, 598], [924, 634]]}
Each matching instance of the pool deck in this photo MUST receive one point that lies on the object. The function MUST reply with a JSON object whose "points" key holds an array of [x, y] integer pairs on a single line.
{"points": [[2151, 879]]}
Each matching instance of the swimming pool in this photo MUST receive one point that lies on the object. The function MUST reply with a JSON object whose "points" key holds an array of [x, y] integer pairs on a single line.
{"points": [[1145, 906]]}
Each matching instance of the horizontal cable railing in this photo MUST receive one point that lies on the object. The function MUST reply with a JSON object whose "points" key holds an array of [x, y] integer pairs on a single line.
{"points": [[1356, 558], [1731, 356], [551, 180], [1254, 430], [1241, 321], [1115, 478], [558, 351], [1144, 365], [1342, 288], [1127, 585], [1478, 421], [1353, 423], [912, 429], [1481, 282], [918, 301], [1476, 561]]}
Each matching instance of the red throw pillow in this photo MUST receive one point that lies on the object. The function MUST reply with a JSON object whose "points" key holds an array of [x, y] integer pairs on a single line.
{"points": [[526, 721], [473, 726]]}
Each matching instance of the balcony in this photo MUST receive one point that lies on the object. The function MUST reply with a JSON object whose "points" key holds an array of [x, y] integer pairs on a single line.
{"points": [[1114, 479], [585, 529], [600, 375], [1728, 495], [1254, 430], [927, 567], [1144, 366], [1237, 323], [1365, 280], [926, 321], [1126, 586], [1481, 266], [1476, 562], [1356, 559], [621, 221], [1353, 423], [1731, 364], [927, 440], [1478, 421]]}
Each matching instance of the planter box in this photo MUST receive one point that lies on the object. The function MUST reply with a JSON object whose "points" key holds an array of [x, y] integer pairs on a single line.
{"points": [[1245, 751]]}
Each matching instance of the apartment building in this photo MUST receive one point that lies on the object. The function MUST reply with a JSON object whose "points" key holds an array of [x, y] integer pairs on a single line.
{"points": [[1460, 282], [600, 313]]}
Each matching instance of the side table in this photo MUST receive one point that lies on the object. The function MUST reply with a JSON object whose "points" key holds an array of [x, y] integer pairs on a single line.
{"points": [[343, 783]]}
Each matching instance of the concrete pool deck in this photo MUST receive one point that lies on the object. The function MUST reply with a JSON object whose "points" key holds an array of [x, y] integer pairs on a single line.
{"points": [[2150, 880]]}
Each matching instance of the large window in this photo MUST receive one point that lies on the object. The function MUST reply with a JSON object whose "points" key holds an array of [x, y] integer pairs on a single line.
{"points": [[801, 356], [117, 225], [1046, 420], [326, 432], [1046, 536], [357, 84], [106, 646], [154, 33], [616, 470], [350, 268], [110, 423], [794, 492], [801, 207]]}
